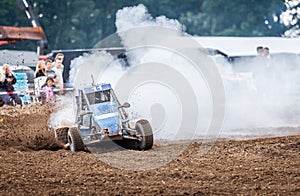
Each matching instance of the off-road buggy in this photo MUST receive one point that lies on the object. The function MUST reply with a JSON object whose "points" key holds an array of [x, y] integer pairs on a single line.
{"points": [[100, 117]]}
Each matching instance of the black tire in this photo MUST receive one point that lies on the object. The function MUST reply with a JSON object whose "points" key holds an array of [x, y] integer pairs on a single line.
{"points": [[144, 129], [75, 141], [61, 135]]}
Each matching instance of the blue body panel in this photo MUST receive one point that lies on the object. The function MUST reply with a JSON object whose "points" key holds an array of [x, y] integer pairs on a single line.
{"points": [[106, 115], [97, 88]]}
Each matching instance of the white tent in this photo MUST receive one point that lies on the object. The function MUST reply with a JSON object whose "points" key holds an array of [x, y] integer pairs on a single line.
{"points": [[234, 46]]}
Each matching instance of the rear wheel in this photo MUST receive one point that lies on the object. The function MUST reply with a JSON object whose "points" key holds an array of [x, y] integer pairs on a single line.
{"points": [[144, 129], [75, 141]]}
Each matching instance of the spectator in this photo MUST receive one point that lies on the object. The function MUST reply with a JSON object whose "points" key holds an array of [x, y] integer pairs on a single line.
{"points": [[267, 57], [47, 90], [7, 88], [259, 60], [49, 71], [260, 50], [58, 68], [260, 71], [267, 52], [59, 56], [40, 69]]}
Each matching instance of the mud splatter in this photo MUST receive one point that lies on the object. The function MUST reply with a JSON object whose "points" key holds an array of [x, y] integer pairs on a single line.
{"points": [[27, 128]]}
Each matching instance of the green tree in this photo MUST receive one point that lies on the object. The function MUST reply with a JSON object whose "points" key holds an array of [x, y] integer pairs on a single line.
{"points": [[68, 24], [71, 24], [11, 15], [235, 18], [290, 18]]}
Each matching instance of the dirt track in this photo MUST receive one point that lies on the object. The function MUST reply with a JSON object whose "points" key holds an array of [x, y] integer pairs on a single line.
{"points": [[32, 163]]}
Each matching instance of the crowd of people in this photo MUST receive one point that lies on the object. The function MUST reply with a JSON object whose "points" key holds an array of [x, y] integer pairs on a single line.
{"points": [[263, 51], [51, 73]]}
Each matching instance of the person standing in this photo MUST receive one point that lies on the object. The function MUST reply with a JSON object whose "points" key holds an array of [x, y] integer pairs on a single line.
{"points": [[47, 90], [260, 72], [58, 68], [258, 62], [7, 88], [260, 50], [40, 69], [266, 52], [49, 72], [3, 94], [267, 57]]}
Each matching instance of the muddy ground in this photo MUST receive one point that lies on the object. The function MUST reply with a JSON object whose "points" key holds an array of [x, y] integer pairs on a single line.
{"points": [[33, 163]]}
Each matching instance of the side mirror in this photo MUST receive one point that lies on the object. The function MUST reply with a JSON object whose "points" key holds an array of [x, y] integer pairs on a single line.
{"points": [[125, 105], [83, 112]]}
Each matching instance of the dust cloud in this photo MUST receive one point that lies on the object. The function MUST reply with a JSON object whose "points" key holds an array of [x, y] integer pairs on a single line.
{"points": [[257, 95]]}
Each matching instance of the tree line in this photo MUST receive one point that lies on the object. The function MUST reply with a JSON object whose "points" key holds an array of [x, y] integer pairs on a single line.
{"points": [[72, 24]]}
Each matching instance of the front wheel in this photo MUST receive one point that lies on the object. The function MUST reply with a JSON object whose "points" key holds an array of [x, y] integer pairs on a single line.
{"points": [[144, 129], [74, 139]]}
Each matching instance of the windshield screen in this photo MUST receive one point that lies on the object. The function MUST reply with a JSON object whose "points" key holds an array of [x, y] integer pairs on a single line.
{"points": [[98, 97]]}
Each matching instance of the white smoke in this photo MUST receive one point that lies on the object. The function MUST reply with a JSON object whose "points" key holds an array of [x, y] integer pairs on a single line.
{"points": [[63, 116], [138, 16], [246, 107], [262, 93]]}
